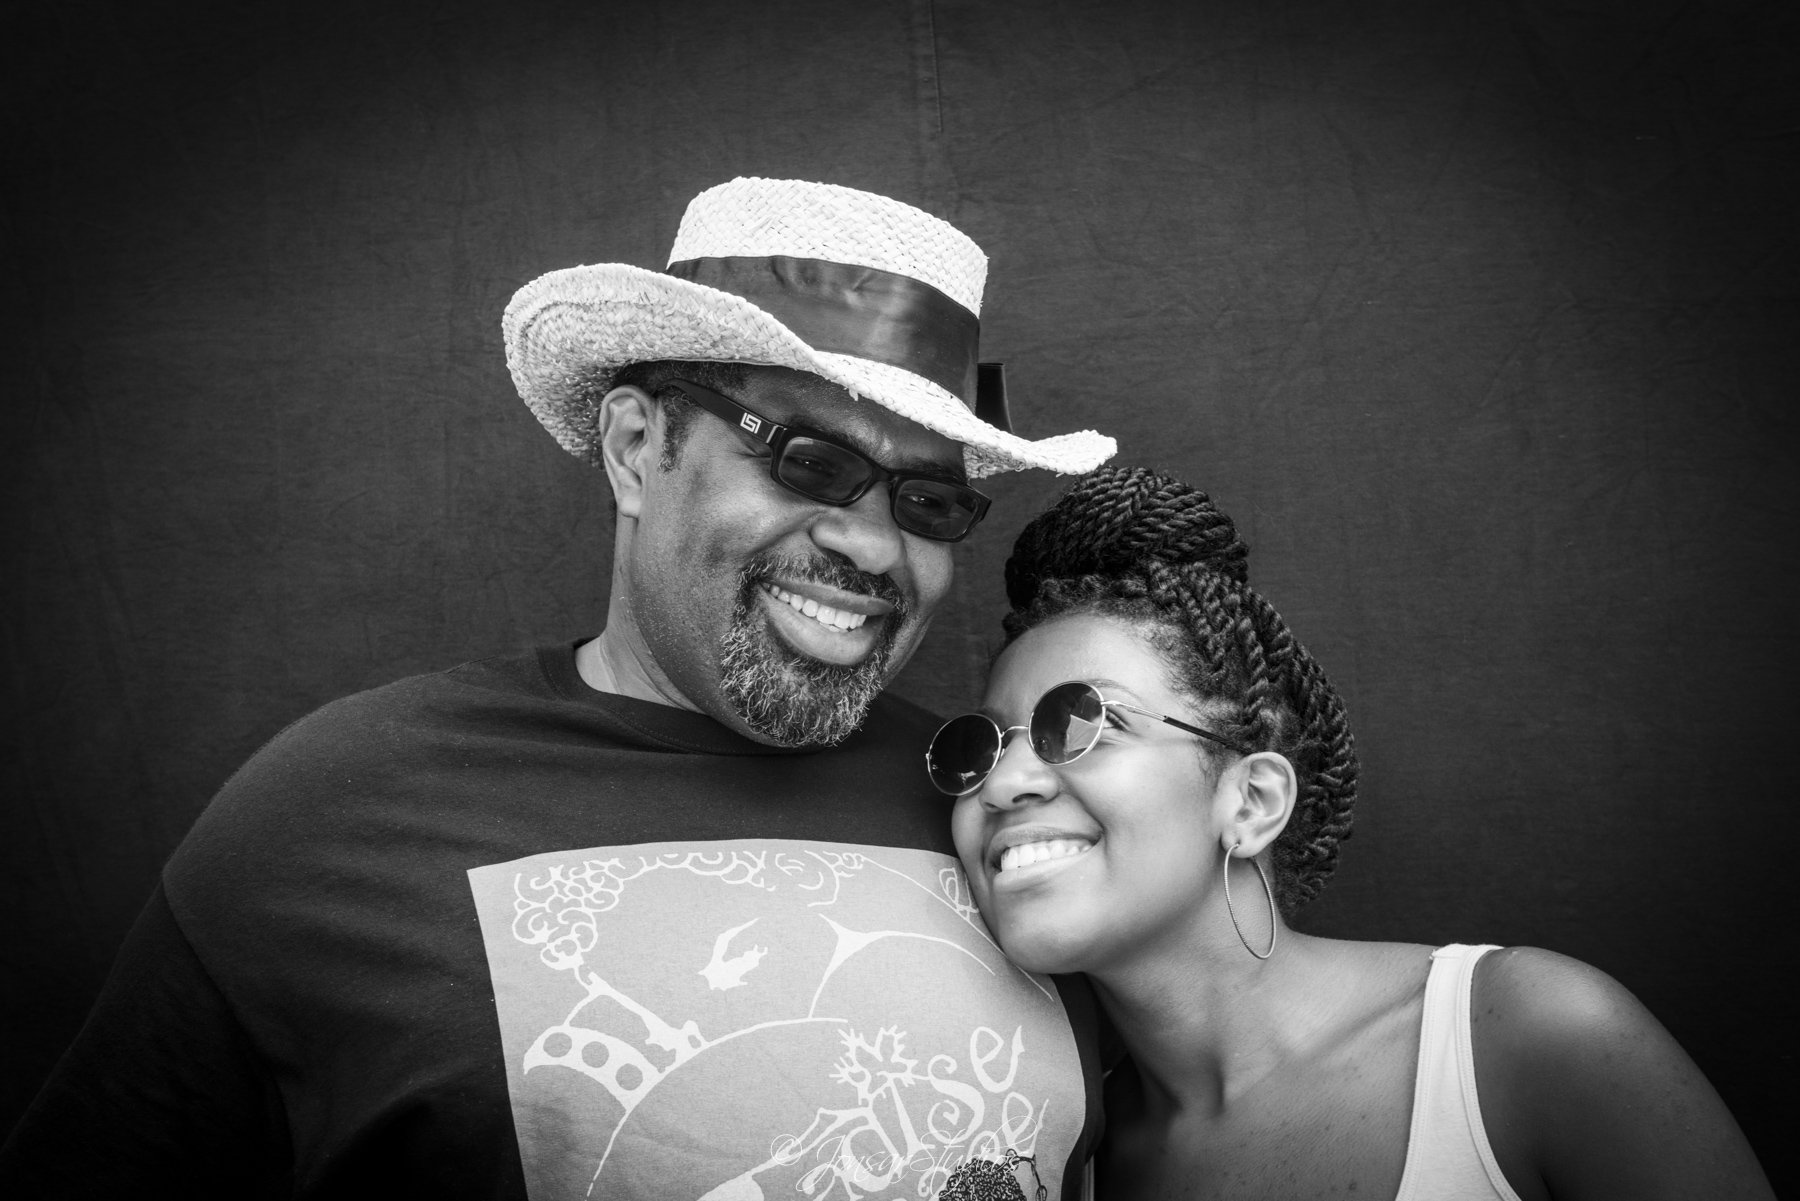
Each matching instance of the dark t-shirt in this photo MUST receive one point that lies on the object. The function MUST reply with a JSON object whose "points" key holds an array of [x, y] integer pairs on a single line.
{"points": [[490, 933]]}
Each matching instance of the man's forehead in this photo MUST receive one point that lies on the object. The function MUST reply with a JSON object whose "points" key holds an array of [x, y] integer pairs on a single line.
{"points": [[792, 397]]}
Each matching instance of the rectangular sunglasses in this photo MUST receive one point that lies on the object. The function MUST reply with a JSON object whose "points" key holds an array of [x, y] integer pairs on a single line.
{"points": [[823, 469], [1065, 724]]}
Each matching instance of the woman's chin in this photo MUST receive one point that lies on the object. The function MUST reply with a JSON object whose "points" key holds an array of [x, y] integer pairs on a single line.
{"points": [[1043, 947]]}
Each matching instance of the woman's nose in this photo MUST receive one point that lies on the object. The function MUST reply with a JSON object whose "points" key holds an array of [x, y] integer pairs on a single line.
{"points": [[1019, 776]]}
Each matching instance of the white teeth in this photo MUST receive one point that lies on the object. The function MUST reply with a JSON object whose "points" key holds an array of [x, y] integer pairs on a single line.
{"points": [[1027, 853], [823, 614]]}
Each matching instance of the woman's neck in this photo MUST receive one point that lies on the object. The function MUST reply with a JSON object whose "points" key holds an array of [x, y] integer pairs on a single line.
{"points": [[1205, 1021]]}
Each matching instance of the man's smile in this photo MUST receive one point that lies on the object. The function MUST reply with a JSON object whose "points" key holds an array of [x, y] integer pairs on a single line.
{"points": [[848, 613], [829, 624]]}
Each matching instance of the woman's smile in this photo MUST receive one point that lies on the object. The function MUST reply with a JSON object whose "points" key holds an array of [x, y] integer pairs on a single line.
{"points": [[1024, 854]]}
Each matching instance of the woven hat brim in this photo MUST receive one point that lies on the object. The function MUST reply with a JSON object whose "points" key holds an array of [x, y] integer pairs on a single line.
{"points": [[570, 331]]}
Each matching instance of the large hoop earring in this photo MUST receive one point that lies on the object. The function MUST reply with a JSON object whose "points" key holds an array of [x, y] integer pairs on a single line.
{"points": [[1274, 926]]}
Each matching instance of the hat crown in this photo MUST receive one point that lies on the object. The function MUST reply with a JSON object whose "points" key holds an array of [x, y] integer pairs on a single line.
{"points": [[762, 217]]}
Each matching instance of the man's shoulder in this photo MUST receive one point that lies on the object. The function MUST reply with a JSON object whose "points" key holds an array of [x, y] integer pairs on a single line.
{"points": [[383, 743], [373, 718]]}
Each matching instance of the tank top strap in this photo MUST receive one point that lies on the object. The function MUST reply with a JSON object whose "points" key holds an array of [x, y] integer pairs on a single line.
{"points": [[1447, 1153]]}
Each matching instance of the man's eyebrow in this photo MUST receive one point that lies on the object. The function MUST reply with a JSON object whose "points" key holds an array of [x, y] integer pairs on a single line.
{"points": [[921, 464]]}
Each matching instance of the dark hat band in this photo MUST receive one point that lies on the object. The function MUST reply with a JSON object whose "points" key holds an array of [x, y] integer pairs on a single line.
{"points": [[861, 311]]}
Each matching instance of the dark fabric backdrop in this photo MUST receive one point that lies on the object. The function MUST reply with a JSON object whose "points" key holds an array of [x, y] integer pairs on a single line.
{"points": [[1479, 317]]}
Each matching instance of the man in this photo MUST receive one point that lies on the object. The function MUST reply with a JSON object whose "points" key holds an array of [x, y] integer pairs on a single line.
{"points": [[673, 912]]}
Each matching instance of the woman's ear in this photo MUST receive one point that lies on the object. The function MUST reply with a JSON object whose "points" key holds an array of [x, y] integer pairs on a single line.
{"points": [[629, 438], [1259, 792]]}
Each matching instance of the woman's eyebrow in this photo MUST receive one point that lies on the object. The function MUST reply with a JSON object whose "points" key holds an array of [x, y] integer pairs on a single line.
{"points": [[1129, 701], [1105, 685]]}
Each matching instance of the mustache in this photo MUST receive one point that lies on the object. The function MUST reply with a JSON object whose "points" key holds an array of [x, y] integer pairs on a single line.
{"points": [[830, 569]]}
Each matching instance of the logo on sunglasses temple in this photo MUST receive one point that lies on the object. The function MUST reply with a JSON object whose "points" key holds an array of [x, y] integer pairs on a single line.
{"points": [[751, 422]]}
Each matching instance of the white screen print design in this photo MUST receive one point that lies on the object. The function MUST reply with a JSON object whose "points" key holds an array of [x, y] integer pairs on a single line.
{"points": [[731, 1021]]}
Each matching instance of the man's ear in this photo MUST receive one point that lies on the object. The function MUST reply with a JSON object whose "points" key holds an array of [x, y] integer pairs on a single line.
{"points": [[630, 441], [1258, 794]]}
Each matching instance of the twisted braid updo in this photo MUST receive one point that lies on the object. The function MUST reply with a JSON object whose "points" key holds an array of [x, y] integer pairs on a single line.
{"points": [[1148, 549]]}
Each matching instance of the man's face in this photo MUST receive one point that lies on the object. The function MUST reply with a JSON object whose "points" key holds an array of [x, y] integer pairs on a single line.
{"points": [[775, 613]]}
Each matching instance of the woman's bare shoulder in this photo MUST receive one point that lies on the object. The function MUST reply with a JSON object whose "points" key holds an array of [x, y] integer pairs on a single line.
{"points": [[1533, 1008], [1582, 1088], [1546, 995]]}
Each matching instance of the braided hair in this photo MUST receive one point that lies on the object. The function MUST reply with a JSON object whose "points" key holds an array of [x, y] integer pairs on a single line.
{"points": [[1134, 544]]}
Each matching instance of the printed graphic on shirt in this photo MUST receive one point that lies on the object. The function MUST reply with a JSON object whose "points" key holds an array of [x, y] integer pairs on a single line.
{"points": [[766, 1019]]}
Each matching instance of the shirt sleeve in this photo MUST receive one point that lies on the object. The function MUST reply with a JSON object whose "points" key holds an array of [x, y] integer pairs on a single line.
{"points": [[162, 1087]]}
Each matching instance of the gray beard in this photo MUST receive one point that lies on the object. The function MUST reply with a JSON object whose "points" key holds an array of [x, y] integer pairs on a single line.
{"points": [[784, 696]]}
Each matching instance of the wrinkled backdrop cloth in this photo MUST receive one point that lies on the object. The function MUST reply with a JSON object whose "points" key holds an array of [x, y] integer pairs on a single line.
{"points": [[1480, 318]]}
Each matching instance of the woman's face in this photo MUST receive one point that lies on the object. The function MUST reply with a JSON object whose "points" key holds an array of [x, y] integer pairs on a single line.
{"points": [[1075, 866]]}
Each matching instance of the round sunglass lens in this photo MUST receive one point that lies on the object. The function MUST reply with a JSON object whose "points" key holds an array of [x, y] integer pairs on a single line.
{"points": [[1066, 721], [821, 470], [962, 754]]}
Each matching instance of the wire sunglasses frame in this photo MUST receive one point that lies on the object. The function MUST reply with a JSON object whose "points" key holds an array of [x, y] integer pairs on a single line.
{"points": [[939, 507], [1062, 704]]}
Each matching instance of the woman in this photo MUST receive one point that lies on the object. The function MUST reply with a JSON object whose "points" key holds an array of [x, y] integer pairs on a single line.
{"points": [[1186, 776]]}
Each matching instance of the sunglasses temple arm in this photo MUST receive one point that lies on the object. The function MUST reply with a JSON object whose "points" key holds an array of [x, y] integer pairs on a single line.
{"points": [[1227, 743], [723, 407]]}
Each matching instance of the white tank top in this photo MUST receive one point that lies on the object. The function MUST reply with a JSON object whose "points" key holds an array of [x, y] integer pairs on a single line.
{"points": [[1447, 1152]]}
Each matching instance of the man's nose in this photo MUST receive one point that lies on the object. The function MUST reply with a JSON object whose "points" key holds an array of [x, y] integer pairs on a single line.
{"points": [[864, 533], [1019, 777]]}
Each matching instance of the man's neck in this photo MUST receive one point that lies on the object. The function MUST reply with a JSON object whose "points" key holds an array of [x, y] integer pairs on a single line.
{"points": [[619, 662]]}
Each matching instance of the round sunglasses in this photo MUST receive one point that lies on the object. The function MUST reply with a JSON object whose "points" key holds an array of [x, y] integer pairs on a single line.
{"points": [[1065, 724], [825, 470]]}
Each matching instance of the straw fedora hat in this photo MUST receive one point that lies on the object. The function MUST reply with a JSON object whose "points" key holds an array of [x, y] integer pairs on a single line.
{"points": [[867, 292]]}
